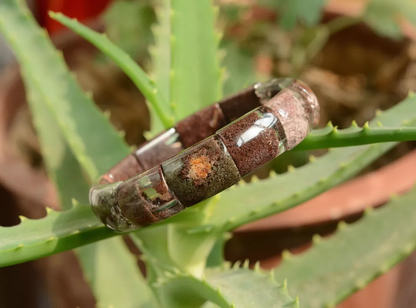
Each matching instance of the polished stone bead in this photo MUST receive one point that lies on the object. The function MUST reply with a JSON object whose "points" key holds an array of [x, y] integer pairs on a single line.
{"points": [[125, 169], [200, 125], [254, 139], [146, 199], [297, 109], [103, 199], [201, 171], [160, 148], [237, 105]]}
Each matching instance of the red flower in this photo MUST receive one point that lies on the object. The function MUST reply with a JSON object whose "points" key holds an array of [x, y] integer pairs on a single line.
{"points": [[79, 9]]}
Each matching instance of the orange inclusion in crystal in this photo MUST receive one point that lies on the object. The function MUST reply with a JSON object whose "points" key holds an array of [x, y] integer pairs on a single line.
{"points": [[199, 168]]}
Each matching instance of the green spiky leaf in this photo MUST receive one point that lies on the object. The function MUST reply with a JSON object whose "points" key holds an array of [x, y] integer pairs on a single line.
{"points": [[195, 74], [308, 12], [240, 70], [181, 290], [183, 24], [96, 259], [331, 137], [112, 272], [49, 76], [245, 288], [123, 60], [384, 16], [62, 167], [223, 288], [161, 61], [56, 232], [354, 256], [131, 32]]}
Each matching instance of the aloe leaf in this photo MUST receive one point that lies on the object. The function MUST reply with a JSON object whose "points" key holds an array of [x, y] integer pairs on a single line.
{"points": [[331, 137], [245, 288], [240, 69], [186, 46], [131, 32], [62, 231], [354, 256], [249, 202], [195, 81], [382, 16], [198, 247], [181, 290], [64, 98], [123, 60], [188, 74], [225, 288], [216, 256], [56, 232], [63, 169], [161, 60], [114, 276], [96, 259], [195, 75], [308, 12], [164, 244]]}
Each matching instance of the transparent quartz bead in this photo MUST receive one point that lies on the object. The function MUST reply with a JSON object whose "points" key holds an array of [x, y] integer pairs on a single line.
{"points": [[140, 201], [201, 171], [265, 90], [160, 148], [103, 199], [297, 108], [146, 199], [200, 125], [254, 139]]}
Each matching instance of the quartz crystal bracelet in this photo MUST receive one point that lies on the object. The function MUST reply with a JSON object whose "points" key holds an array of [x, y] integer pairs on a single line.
{"points": [[205, 154]]}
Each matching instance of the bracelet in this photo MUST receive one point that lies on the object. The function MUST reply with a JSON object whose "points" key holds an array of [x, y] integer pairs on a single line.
{"points": [[205, 154]]}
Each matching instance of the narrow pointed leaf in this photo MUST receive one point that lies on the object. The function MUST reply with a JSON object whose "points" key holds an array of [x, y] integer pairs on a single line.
{"points": [[62, 167], [132, 32], [195, 76], [354, 256], [161, 61], [96, 259], [240, 69], [330, 138], [246, 288], [56, 232], [50, 77], [123, 60], [307, 12], [114, 276], [185, 291], [384, 16]]}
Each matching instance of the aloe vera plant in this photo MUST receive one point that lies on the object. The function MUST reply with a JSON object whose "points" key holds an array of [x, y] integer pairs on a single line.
{"points": [[183, 255]]}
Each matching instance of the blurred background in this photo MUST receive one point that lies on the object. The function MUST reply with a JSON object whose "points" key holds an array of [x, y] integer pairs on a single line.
{"points": [[359, 56]]}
